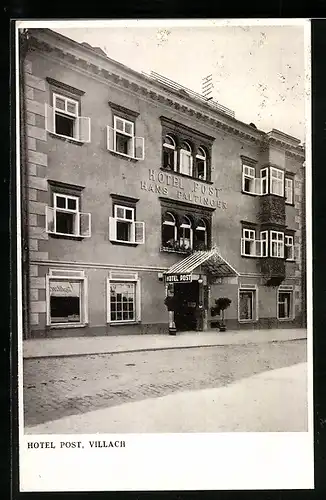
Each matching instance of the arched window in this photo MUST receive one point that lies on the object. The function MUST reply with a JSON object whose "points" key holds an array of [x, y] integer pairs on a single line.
{"points": [[201, 164], [185, 159], [185, 234], [169, 230], [169, 153], [201, 235]]}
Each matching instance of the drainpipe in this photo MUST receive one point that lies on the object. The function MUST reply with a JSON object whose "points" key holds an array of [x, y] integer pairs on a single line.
{"points": [[23, 49]]}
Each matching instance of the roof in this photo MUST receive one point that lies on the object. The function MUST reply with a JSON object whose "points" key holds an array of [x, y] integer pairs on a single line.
{"points": [[191, 262]]}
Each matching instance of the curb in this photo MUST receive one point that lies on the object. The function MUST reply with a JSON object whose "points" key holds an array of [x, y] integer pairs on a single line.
{"points": [[148, 349]]}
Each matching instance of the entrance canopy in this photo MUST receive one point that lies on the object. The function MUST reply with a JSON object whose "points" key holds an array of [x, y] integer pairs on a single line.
{"points": [[186, 266]]}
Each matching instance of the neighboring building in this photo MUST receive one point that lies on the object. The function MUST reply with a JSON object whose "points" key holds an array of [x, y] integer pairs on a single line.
{"points": [[135, 188]]}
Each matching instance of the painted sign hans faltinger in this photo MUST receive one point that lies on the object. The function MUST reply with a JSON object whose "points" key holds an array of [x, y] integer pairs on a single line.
{"points": [[183, 189]]}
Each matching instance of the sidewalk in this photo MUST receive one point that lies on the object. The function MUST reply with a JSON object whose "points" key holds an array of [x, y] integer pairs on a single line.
{"points": [[272, 401], [78, 346]]}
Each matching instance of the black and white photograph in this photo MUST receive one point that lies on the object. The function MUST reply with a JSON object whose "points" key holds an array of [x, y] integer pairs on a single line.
{"points": [[164, 196]]}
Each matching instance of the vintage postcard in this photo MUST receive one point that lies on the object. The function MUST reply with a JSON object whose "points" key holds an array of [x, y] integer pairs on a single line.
{"points": [[164, 255]]}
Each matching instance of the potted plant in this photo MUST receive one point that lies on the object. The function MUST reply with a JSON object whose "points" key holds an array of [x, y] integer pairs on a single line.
{"points": [[220, 305]]}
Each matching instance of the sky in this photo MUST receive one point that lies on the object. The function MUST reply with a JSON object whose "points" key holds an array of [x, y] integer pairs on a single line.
{"points": [[258, 71]]}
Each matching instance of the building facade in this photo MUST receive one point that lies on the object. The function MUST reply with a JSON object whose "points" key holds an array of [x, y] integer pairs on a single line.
{"points": [[135, 189]]}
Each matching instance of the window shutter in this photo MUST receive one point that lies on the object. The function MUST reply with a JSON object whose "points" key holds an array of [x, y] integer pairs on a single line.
{"points": [[139, 232], [49, 219], [112, 229], [258, 186], [49, 118], [258, 246], [85, 225], [84, 129], [138, 301], [139, 148], [110, 138]]}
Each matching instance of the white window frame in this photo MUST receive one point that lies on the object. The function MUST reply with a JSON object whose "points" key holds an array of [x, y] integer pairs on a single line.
{"points": [[113, 221], [52, 211], [81, 124], [249, 235], [276, 176], [289, 243], [201, 155], [188, 154], [264, 243], [112, 138], [68, 275], [288, 191], [248, 172], [278, 238], [124, 277], [254, 290], [285, 289], [264, 178], [172, 147]]}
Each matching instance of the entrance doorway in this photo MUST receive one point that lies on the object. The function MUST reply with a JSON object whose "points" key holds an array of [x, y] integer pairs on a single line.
{"points": [[187, 295]]}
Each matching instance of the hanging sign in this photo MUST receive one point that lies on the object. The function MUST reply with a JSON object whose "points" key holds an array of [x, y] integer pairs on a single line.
{"points": [[178, 278]]}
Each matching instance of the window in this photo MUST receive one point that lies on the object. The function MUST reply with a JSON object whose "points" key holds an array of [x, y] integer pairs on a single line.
{"points": [[63, 119], [277, 244], [65, 218], [276, 181], [121, 139], [186, 159], [289, 191], [248, 179], [201, 167], [264, 180], [289, 247], [169, 231], [66, 298], [169, 153], [123, 298], [264, 243], [185, 234], [247, 304], [200, 240], [249, 245], [285, 303], [185, 150], [123, 228]]}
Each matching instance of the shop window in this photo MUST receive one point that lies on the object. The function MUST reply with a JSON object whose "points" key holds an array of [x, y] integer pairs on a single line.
{"points": [[66, 298], [64, 218], [285, 303], [121, 139], [63, 119], [186, 160], [247, 305], [200, 236], [289, 247], [277, 244], [169, 153], [289, 191], [123, 298], [276, 181], [123, 228]]}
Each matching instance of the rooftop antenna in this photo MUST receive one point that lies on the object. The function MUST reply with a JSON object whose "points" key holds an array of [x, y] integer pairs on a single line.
{"points": [[207, 87]]}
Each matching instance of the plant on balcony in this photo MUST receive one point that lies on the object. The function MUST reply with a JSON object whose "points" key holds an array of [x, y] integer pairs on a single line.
{"points": [[221, 304]]}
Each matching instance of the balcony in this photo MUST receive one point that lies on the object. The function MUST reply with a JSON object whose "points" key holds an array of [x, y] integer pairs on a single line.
{"points": [[272, 210]]}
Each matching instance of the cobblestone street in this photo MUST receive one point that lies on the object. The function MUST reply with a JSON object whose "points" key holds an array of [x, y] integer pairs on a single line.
{"points": [[59, 387]]}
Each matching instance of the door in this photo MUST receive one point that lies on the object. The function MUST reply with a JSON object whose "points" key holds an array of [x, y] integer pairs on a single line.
{"points": [[187, 295]]}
